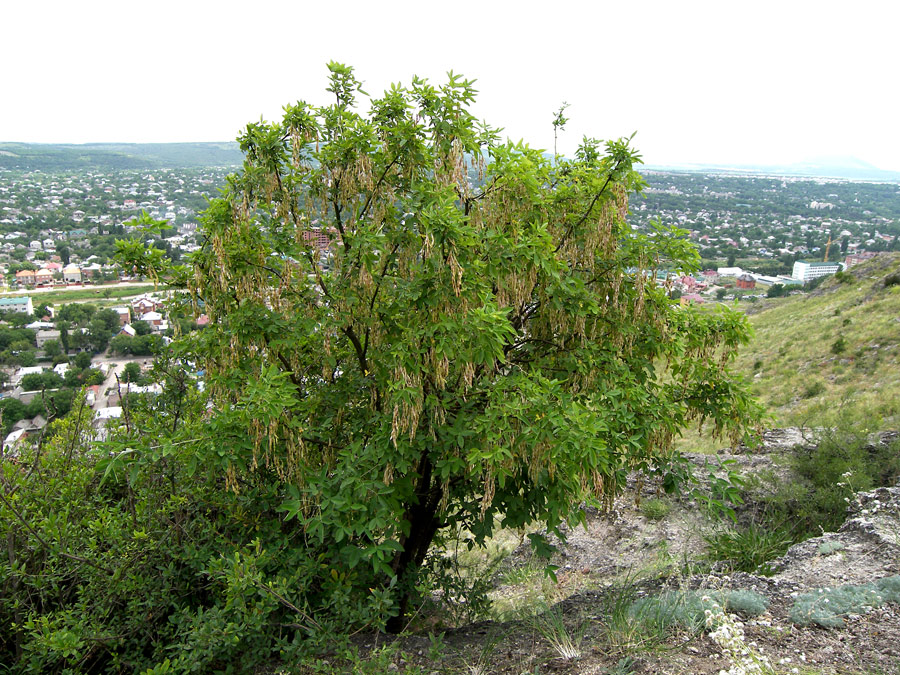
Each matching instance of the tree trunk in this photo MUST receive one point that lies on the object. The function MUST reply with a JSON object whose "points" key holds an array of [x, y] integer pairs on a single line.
{"points": [[423, 525]]}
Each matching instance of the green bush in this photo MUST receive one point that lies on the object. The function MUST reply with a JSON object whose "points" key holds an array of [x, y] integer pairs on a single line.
{"points": [[843, 277], [826, 476], [892, 280], [839, 346], [117, 561]]}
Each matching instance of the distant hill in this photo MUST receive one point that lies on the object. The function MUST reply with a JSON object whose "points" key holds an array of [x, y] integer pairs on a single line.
{"points": [[109, 156], [848, 168]]}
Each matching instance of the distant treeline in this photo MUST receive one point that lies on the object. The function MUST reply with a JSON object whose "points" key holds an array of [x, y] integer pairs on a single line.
{"points": [[111, 156]]}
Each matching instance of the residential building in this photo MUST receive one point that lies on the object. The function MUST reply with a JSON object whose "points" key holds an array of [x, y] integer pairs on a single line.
{"points": [[21, 304], [43, 277], [857, 258], [16, 379], [42, 337], [72, 274], [124, 315], [153, 318], [25, 278], [745, 281]]}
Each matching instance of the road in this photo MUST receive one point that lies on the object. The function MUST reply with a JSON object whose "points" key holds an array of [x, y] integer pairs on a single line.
{"points": [[109, 386]]}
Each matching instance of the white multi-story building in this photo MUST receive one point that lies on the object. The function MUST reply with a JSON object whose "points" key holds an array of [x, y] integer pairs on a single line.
{"points": [[18, 303], [804, 271]]}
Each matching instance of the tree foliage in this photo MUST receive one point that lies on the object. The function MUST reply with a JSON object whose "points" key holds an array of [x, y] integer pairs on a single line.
{"points": [[417, 329]]}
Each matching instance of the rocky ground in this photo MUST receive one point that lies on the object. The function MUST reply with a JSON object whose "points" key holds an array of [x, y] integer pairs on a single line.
{"points": [[634, 551]]}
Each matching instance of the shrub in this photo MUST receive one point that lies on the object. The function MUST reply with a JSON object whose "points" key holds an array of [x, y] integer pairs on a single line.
{"points": [[827, 607], [892, 280], [129, 560], [843, 277], [687, 608], [826, 476], [813, 389], [839, 346]]}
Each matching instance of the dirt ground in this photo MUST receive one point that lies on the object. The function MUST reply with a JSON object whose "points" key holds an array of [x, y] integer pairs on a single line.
{"points": [[648, 555]]}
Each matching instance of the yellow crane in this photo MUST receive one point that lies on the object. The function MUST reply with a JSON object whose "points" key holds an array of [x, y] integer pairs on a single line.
{"points": [[827, 246]]}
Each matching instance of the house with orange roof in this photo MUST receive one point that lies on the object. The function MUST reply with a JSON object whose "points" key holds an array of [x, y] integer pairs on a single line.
{"points": [[25, 278]]}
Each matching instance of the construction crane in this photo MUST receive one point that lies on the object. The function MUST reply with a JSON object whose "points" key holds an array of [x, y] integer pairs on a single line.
{"points": [[827, 246]]}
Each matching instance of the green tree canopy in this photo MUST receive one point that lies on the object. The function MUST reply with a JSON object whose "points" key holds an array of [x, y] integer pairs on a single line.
{"points": [[418, 330]]}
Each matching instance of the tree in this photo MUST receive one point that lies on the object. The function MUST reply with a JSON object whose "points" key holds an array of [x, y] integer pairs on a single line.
{"points": [[417, 330], [776, 291], [64, 335], [52, 348], [82, 360], [141, 327], [131, 372]]}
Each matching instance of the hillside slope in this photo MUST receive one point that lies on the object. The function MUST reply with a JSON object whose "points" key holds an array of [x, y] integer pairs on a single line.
{"points": [[831, 357]]}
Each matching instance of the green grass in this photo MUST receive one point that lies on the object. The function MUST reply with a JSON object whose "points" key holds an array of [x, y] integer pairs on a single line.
{"points": [[96, 293], [655, 509], [748, 548]]}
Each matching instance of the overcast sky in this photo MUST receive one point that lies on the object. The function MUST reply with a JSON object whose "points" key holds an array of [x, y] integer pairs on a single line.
{"points": [[725, 82]]}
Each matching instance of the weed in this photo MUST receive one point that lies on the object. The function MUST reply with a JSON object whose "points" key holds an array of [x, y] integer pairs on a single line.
{"points": [[655, 509], [517, 576], [552, 626], [482, 663], [745, 602], [624, 666], [748, 548], [688, 609], [830, 547], [436, 647], [633, 623], [728, 633]]}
